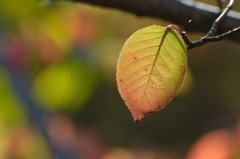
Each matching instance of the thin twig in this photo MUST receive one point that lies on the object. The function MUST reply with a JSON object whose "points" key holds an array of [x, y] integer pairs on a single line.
{"points": [[210, 36], [220, 18], [202, 41]]}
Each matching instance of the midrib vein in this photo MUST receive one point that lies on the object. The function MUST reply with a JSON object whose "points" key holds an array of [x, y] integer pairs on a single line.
{"points": [[154, 62]]}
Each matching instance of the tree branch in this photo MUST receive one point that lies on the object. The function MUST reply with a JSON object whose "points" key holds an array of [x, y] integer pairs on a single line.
{"points": [[176, 11], [220, 18], [211, 35]]}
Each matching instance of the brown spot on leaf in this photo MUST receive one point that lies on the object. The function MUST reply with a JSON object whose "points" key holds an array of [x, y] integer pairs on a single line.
{"points": [[148, 113], [184, 71]]}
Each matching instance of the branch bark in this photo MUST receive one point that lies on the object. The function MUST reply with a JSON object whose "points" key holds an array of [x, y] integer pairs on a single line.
{"points": [[176, 11]]}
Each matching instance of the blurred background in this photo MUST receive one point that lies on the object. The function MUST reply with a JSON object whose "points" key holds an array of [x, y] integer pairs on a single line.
{"points": [[59, 100]]}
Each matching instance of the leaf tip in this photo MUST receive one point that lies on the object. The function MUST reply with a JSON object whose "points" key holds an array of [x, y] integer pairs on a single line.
{"points": [[136, 121], [136, 116]]}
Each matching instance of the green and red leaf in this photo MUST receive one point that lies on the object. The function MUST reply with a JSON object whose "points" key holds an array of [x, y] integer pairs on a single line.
{"points": [[151, 69]]}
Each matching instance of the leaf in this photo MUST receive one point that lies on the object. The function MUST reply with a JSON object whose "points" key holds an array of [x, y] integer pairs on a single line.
{"points": [[151, 69]]}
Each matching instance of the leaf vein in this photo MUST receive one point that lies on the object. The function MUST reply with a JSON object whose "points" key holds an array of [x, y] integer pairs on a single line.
{"points": [[155, 60], [137, 42], [131, 74], [136, 80]]}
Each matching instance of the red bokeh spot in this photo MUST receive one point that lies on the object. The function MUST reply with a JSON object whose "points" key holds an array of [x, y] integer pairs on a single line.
{"points": [[217, 144]]}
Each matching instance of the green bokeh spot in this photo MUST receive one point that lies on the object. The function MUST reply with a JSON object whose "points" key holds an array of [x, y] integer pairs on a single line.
{"points": [[65, 86]]}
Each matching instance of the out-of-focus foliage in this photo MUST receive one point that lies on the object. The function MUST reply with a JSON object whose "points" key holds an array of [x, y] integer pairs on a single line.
{"points": [[22, 142], [45, 40], [17, 140], [11, 107], [47, 45], [13, 12], [64, 86]]}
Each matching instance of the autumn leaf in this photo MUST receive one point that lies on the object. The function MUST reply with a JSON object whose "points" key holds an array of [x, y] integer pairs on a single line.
{"points": [[151, 69]]}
